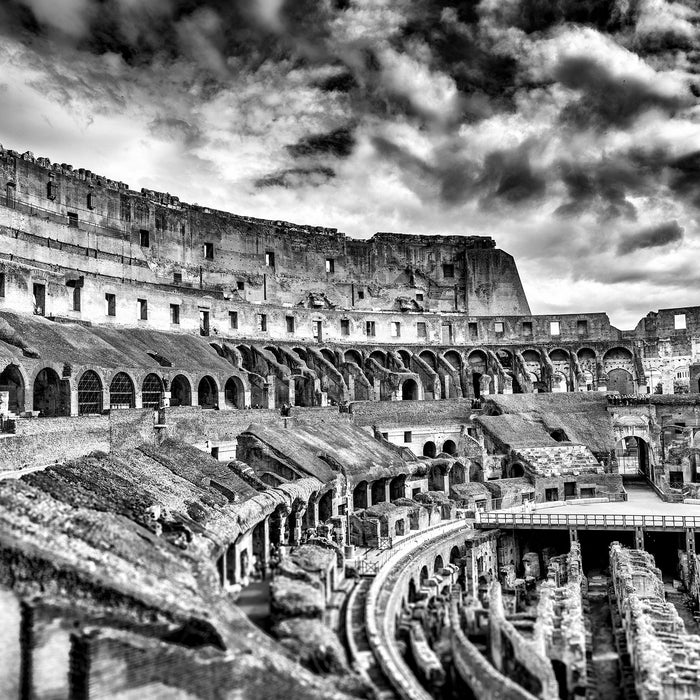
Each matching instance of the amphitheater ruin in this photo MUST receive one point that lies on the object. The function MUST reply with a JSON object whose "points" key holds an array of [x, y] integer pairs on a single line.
{"points": [[243, 458]]}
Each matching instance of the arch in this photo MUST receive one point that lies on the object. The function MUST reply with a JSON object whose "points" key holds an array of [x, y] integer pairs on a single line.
{"points": [[409, 390], [429, 449], [449, 447], [12, 381], [51, 395], [617, 355], [379, 356], [424, 575], [588, 383], [516, 470], [151, 391], [477, 364], [359, 496], [458, 475], [399, 528], [455, 359], [559, 383], [89, 393], [397, 487], [207, 392], [429, 358], [234, 393], [559, 435], [439, 565], [632, 455], [412, 592], [353, 356], [329, 355], [121, 391], [531, 357], [378, 491], [180, 391], [620, 380], [455, 555], [325, 506], [559, 355], [586, 355], [405, 358], [505, 357]]}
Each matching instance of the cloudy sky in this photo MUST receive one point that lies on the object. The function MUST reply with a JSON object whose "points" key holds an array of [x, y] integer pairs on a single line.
{"points": [[569, 130]]}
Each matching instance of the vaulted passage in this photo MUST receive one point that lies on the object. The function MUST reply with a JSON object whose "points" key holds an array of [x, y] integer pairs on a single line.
{"points": [[51, 395], [89, 393]]}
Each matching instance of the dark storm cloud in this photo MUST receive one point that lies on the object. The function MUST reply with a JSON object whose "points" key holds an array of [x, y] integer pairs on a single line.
{"points": [[177, 129], [294, 178], [339, 142], [610, 99], [652, 237]]}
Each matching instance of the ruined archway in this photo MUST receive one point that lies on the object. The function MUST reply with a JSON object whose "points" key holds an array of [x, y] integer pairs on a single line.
{"points": [[477, 365], [121, 391], [449, 447], [11, 380], [632, 455], [207, 393], [51, 395], [89, 393], [429, 449], [234, 393], [409, 390], [180, 391], [151, 391]]}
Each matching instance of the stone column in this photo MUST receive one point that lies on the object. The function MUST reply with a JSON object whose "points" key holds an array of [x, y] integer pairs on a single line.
{"points": [[271, 391], [165, 400], [295, 534], [387, 490], [291, 391], [639, 538], [369, 494]]}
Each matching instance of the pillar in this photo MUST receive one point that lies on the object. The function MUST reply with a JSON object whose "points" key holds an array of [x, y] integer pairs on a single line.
{"points": [[73, 402], [369, 494], [690, 541], [165, 400], [573, 535], [295, 534], [291, 390], [271, 391], [387, 490], [639, 538], [221, 399], [446, 480]]}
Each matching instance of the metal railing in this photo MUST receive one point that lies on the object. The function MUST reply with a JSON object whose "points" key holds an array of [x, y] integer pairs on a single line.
{"points": [[537, 520]]}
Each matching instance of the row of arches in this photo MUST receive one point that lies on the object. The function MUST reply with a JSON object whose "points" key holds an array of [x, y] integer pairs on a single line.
{"points": [[51, 393]]}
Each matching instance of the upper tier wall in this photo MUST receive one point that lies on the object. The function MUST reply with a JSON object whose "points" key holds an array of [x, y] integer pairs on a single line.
{"points": [[273, 261]]}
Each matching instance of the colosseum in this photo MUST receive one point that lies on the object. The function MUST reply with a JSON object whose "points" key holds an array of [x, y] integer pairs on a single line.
{"points": [[246, 458]]}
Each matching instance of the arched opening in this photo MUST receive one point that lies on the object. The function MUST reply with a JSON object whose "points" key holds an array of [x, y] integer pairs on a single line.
{"points": [[89, 393], [588, 383], [559, 385], [12, 382], [325, 506], [234, 393], [632, 455], [121, 391], [454, 359], [151, 391], [438, 566], [516, 470], [409, 390], [458, 475], [329, 355], [412, 591], [258, 544], [424, 575], [449, 447], [477, 366], [180, 391], [207, 395], [429, 359], [353, 356], [399, 528], [379, 357], [359, 496], [244, 561], [559, 435], [397, 487], [455, 555], [406, 359], [429, 449], [436, 479], [378, 491], [620, 380], [51, 395]]}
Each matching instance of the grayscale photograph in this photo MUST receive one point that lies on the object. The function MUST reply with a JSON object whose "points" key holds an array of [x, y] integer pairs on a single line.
{"points": [[349, 349]]}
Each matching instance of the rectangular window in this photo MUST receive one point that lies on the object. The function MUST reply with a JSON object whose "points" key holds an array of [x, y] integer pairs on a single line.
{"points": [[290, 324], [498, 327], [233, 320], [421, 329], [448, 270], [408, 436], [240, 285], [111, 303], [177, 277], [370, 328], [473, 331], [91, 200], [330, 265], [361, 294], [344, 326], [318, 330], [2, 284], [269, 259], [145, 237], [39, 292], [209, 251], [582, 327], [72, 219], [527, 329], [446, 333], [203, 322], [554, 328], [51, 189], [76, 298], [175, 314], [419, 296], [262, 322], [395, 329], [142, 309], [679, 322]]}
